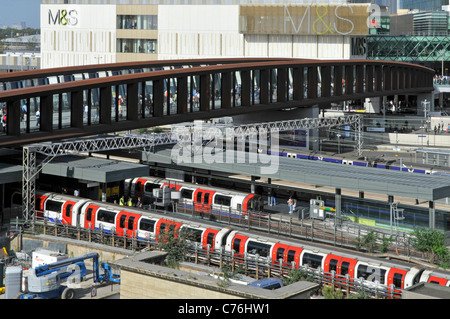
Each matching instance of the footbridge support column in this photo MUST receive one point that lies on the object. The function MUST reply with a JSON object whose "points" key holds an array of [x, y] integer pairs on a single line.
{"points": [[432, 215], [338, 198]]}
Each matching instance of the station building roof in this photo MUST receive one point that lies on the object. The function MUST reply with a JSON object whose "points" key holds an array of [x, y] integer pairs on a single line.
{"points": [[94, 169], [358, 178]]}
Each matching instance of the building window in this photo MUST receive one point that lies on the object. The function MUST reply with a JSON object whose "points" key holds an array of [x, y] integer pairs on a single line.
{"points": [[138, 22], [136, 46]]}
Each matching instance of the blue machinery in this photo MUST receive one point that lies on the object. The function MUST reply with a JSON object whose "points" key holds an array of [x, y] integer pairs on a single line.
{"points": [[44, 282]]}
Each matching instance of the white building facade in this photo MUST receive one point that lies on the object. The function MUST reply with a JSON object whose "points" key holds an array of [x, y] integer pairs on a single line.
{"points": [[82, 32]]}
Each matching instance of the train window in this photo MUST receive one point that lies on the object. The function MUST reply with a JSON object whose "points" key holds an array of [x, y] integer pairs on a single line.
{"points": [[236, 244], [131, 223], [313, 261], [106, 216], [89, 214], [186, 193], [199, 197], [122, 221], [172, 229], [397, 280], [371, 273], [192, 234], [222, 200], [206, 199], [345, 266], [333, 265], [147, 225], [261, 249], [150, 186], [68, 210], [210, 239], [290, 256], [53, 206], [280, 253]]}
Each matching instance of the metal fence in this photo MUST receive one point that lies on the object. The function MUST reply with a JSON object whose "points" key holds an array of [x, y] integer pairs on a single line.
{"points": [[344, 234], [250, 265]]}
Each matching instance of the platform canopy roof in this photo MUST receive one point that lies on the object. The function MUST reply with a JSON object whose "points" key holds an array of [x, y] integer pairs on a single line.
{"points": [[10, 173], [358, 178], [94, 169]]}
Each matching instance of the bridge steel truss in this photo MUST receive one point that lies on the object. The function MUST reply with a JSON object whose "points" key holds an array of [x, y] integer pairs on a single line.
{"points": [[225, 87], [31, 167]]}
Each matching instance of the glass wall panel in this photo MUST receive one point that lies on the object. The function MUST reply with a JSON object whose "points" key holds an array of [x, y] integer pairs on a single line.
{"points": [[65, 110], [86, 110], [173, 95], [305, 83], [217, 91], [290, 86], [148, 46], [332, 80], [148, 99], [115, 99], [56, 113], [137, 22], [23, 116], [256, 86], [122, 102], [195, 89], [273, 85], [95, 103], [237, 88]]}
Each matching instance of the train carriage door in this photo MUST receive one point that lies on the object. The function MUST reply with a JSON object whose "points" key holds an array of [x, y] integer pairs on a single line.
{"points": [[396, 277], [209, 236], [89, 216], [238, 244], [331, 264], [131, 224], [347, 266], [198, 200], [67, 212], [121, 219], [139, 188], [278, 252], [207, 201], [292, 255], [39, 205]]}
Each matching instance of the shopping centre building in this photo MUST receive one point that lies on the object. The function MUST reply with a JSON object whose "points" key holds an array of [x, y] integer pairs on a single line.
{"points": [[81, 32]]}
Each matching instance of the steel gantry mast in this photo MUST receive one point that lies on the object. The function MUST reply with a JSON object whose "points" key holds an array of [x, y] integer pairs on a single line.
{"points": [[31, 167]]}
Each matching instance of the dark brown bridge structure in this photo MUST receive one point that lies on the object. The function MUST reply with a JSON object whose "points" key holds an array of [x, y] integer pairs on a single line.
{"points": [[53, 104]]}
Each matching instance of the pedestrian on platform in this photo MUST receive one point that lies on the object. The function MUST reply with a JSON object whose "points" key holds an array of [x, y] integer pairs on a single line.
{"points": [[122, 201], [291, 205]]}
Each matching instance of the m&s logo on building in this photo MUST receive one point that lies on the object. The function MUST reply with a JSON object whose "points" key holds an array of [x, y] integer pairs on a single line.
{"points": [[63, 17]]}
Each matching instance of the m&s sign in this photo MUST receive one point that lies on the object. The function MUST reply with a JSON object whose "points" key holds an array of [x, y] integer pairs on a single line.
{"points": [[63, 17]]}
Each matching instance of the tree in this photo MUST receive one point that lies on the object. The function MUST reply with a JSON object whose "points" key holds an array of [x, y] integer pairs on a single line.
{"points": [[295, 275], [177, 245], [369, 241], [329, 292], [432, 243]]}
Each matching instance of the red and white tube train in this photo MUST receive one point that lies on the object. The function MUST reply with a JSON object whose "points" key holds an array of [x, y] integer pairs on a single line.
{"points": [[146, 225], [193, 194]]}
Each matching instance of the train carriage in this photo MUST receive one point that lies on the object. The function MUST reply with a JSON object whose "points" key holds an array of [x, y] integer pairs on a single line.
{"points": [[201, 197], [146, 225]]}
